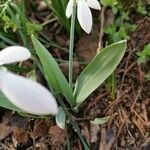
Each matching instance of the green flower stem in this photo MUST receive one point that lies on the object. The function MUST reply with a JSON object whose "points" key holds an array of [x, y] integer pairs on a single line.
{"points": [[72, 121], [73, 18]]}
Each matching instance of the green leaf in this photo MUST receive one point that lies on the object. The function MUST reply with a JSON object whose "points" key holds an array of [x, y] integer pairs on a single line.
{"points": [[98, 70], [61, 118], [110, 29], [144, 55], [146, 50], [4, 102], [109, 2], [99, 121], [52, 71], [147, 76]]}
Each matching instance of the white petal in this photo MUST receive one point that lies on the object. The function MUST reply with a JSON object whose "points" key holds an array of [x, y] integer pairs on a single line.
{"points": [[94, 4], [14, 54], [69, 8], [84, 16], [3, 69], [27, 95]]}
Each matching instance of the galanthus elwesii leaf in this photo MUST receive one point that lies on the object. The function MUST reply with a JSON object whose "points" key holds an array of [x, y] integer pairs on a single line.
{"points": [[69, 8], [14, 54], [27, 95], [93, 4], [84, 16], [99, 121], [61, 118], [98, 70], [52, 72]]}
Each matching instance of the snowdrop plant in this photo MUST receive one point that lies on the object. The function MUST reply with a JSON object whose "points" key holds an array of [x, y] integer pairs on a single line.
{"points": [[24, 95], [95, 73], [83, 12], [27, 96], [92, 76]]}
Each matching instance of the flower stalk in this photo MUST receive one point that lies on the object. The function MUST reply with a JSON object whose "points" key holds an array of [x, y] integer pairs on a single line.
{"points": [[73, 18]]}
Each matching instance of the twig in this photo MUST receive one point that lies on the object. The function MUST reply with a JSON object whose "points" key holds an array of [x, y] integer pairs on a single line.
{"points": [[102, 144], [136, 98], [102, 21], [126, 66], [139, 127], [94, 102], [136, 114]]}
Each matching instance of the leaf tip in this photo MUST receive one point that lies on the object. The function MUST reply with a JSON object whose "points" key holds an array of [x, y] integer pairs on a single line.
{"points": [[123, 42]]}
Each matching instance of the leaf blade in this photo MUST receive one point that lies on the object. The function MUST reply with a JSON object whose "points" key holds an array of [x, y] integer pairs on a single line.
{"points": [[52, 71], [94, 75], [99, 121], [61, 118]]}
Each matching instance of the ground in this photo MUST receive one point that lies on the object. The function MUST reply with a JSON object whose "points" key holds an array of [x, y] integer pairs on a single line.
{"points": [[128, 127]]}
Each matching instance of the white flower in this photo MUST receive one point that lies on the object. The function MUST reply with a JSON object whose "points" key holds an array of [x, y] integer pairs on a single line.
{"points": [[14, 54], [83, 12], [25, 94]]}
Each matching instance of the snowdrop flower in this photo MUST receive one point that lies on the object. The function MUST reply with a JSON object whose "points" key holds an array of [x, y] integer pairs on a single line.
{"points": [[14, 54], [25, 94], [83, 12]]}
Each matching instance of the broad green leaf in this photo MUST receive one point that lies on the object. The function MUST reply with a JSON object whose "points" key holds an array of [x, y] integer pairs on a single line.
{"points": [[99, 121], [61, 118], [98, 70], [52, 72], [4, 102]]}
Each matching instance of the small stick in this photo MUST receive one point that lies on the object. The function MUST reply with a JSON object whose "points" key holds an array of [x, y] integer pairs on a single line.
{"points": [[102, 17]]}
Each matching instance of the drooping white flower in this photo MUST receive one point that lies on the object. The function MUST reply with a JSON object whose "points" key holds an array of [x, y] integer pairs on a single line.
{"points": [[29, 96], [83, 12], [14, 54]]}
